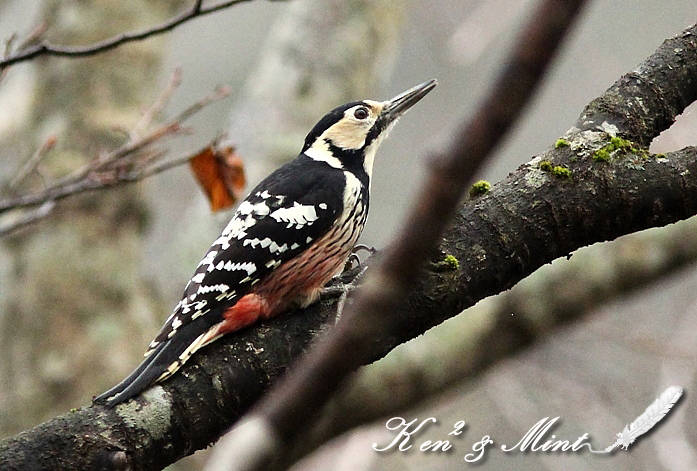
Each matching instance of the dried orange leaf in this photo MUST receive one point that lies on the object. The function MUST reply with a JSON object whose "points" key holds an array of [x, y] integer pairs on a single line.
{"points": [[220, 172]]}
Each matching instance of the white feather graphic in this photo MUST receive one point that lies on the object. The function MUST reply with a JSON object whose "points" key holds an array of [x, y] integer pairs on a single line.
{"points": [[651, 416]]}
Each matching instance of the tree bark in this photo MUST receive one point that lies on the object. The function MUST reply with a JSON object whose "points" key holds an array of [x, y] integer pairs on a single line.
{"points": [[535, 215]]}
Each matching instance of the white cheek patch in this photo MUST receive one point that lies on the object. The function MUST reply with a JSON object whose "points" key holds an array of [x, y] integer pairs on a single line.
{"points": [[347, 133]]}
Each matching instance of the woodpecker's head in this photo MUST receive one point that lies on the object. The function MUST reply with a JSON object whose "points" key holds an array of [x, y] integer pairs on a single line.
{"points": [[348, 136]]}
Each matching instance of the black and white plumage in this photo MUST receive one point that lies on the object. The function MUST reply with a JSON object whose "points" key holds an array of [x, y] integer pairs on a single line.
{"points": [[286, 240]]}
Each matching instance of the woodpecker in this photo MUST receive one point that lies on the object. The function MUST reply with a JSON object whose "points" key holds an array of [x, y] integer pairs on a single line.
{"points": [[286, 240]]}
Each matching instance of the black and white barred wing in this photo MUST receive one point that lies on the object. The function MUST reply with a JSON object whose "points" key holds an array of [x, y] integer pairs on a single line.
{"points": [[267, 230]]}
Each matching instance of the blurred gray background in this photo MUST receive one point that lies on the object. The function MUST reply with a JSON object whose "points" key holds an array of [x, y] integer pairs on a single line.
{"points": [[597, 374]]}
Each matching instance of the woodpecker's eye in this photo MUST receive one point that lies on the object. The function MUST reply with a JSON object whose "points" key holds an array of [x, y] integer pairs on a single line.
{"points": [[360, 113]]}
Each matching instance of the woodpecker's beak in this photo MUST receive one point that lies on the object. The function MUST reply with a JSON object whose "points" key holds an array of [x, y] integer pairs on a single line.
{"points": [[398, 105]]}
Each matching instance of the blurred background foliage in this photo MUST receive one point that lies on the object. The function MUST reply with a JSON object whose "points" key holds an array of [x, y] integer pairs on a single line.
{"points": [[83, 292]]}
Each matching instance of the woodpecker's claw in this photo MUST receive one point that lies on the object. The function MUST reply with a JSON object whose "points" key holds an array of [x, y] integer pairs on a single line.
{"points": [[353, 260], [350, 261], [358, 247]]}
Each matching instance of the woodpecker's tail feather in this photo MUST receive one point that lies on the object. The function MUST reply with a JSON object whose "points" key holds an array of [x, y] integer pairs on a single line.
{"points": [[116, 394], [161, 363]]}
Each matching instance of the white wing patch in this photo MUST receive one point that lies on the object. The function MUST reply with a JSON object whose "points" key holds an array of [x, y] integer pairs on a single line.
{"points": [[256, 241], [266, 195], [249, 267], [294, 216], [198, 278], [257, 209], [264, 243], [208, 288], [273, 264], [275, 248], [245, 217], [297, 215], [208, 259]]}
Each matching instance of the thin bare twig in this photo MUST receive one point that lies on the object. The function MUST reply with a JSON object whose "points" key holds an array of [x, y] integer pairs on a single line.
{"points": [[8, 51], [31, 38], [158, 167], [26, 218], [47, 49], [220, 92], [155, 109], [32, 163], [291, 406], [133, 161]]}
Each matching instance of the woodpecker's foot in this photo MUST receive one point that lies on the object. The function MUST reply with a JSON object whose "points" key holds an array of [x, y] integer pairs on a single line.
{"points": [[336, 290], [342, 290], [340, 306]]}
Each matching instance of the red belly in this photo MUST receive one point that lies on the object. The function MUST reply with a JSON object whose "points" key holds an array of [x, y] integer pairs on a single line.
{"points": [[301, 279], [298, 280]]}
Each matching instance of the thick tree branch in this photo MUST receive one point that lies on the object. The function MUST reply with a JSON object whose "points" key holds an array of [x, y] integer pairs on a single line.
{"points": [[44, 48], [525, 221]]}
